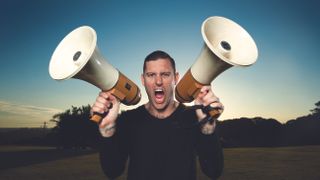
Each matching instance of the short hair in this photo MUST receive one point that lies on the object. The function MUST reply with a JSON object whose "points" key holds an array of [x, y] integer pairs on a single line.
{"points": [[159, 55]]}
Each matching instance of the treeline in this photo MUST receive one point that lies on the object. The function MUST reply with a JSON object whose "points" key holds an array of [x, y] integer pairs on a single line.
{"points": [[260, 132], [24, 136], [74, 130]]}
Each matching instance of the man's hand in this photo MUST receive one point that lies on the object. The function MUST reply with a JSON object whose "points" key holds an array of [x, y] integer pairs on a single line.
{"points": [[207, 97], [108, 105]]}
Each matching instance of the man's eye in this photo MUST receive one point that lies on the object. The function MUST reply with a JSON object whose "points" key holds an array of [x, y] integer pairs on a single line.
{"points": [[166, 74], [150, 74]]}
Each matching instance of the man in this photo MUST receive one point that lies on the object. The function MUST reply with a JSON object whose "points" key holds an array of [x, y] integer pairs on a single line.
{"points": [[161, 139]]}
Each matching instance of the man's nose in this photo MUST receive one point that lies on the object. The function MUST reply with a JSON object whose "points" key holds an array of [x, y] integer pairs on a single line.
{"points": [[158, 80]]}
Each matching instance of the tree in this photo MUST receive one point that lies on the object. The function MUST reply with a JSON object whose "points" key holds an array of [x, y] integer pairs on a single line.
{"points": [[74, 129], [316, 110]]}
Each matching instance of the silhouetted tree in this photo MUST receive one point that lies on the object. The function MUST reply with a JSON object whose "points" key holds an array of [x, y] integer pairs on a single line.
{"points": [[304, 130], [74, 129], [316, 110], [250, 132]]}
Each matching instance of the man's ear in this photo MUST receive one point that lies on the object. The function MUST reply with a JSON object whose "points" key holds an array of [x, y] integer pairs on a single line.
{"points": [[176, 78], [142, 79]]}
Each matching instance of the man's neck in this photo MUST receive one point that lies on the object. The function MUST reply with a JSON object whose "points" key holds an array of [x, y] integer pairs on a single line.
{"points": [[163, 113]]}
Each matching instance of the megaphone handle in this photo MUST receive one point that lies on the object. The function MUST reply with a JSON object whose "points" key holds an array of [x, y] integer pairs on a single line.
{"points": [[212, 115], [97, 118], [212, 112]]}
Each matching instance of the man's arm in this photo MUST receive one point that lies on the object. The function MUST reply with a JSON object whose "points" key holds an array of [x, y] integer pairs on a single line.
{"points": [[208, 146], [113, 152], [210, 154]]}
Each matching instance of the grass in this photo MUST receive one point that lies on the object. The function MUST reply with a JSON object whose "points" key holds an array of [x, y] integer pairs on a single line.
{"points": [[285, 163]]}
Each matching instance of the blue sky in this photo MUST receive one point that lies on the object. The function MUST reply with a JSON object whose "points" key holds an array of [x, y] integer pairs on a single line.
{"points": [[282, 84]]}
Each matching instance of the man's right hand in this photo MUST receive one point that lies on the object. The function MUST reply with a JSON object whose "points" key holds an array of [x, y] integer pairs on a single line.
{"points": [[107, 104]]}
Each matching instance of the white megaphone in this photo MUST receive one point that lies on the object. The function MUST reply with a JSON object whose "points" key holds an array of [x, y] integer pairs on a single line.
{"points": [[77, 56], [227, 44]]}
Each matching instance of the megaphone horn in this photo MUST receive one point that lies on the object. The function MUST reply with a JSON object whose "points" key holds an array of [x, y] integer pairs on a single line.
{"points": [[227, 44], [77, 56]]}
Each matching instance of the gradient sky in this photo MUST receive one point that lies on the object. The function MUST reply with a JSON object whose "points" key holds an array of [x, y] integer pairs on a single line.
{"points": [[282, 84]]}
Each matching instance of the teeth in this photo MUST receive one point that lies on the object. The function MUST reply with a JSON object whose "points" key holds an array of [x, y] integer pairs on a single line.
{"points": [[158, 90]]}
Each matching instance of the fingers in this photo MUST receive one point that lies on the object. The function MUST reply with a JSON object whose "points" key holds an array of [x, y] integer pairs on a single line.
{"points": [[204, 91], [103, 103], [215, 103], [107, 105], [207, 97], [210, 98]]}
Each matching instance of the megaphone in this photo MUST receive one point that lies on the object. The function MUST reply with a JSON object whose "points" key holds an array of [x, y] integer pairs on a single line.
{"points": [[77, 56], [226, 45]]}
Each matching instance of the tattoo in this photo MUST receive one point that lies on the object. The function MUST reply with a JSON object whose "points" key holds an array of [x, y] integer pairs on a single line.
{"points": [[110, 127], [108, 131], [207, 129]]}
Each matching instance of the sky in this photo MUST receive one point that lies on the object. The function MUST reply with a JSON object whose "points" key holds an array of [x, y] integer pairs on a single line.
{"points": [[283, 84]]}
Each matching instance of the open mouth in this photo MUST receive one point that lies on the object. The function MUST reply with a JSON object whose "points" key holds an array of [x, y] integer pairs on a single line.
{"points": [[159, 94]]}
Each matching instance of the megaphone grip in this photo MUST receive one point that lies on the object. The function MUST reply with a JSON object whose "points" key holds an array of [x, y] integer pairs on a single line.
{"points": [[212, 112], [96, 118]]}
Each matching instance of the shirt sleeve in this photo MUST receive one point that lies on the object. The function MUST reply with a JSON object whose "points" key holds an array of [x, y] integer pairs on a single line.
{"points": [[210, 154], [113, 151]]}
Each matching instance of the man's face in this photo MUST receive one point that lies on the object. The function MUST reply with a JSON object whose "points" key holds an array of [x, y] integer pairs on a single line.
{"points": [[159, 80]]}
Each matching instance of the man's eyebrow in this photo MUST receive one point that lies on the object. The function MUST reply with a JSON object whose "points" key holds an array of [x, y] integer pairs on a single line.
{"points": [[164, 72]]}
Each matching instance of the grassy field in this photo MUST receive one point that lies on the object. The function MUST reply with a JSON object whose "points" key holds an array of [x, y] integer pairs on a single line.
{"points": [[285, 163]]}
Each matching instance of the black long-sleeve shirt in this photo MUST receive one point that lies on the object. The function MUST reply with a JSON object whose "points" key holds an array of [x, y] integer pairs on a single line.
{"points": [[160, 149]]}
